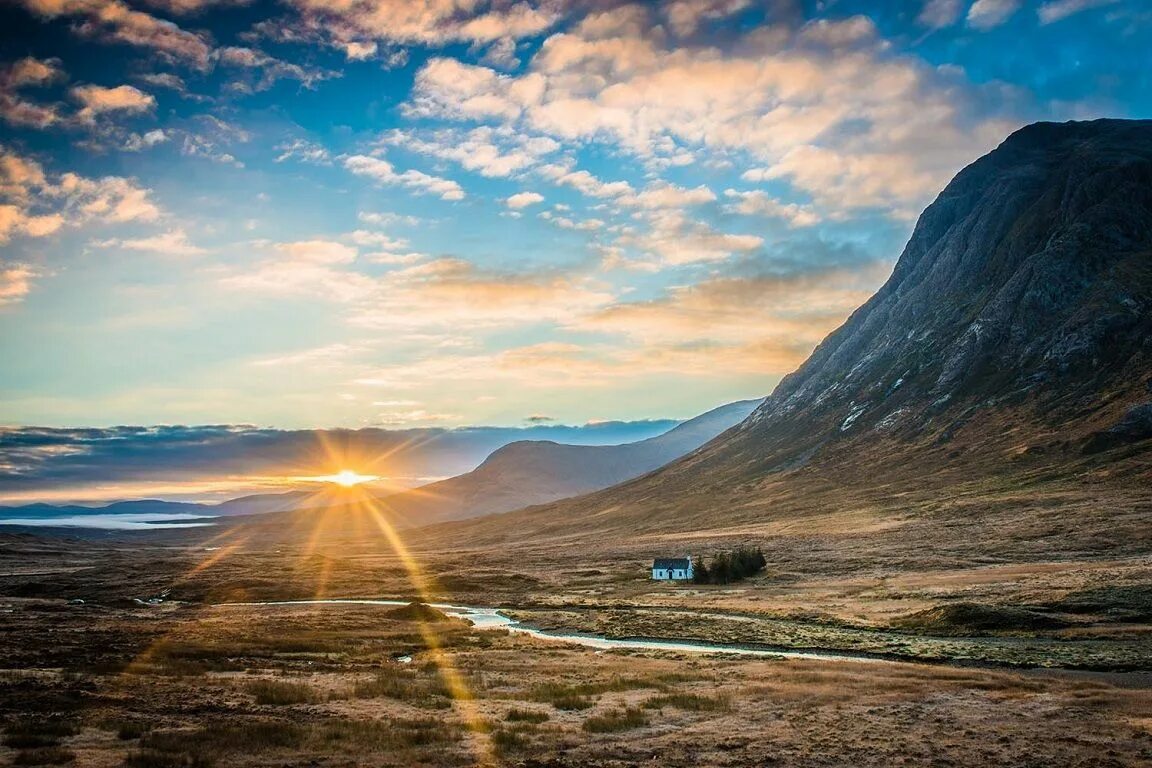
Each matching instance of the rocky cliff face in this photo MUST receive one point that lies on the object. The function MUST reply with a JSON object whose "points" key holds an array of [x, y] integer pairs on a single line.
{"points": [[1006, 362], [1028, 280]]}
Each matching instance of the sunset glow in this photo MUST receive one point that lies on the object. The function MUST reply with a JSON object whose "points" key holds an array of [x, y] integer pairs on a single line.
{"points": [[346, 478]]}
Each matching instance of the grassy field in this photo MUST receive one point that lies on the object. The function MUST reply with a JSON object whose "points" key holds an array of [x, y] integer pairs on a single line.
{"points": [[187, 685], [89, 676]]}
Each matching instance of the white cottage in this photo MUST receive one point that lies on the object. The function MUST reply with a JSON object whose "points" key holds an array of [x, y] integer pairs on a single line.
{"points": [[672, 569]]}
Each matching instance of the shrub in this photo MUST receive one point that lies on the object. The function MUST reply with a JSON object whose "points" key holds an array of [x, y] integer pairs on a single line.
{"points": [[406, 685], [279, 693], [130, 730], [615, 721], [526, 716], [508, 741], [689, 702], [727, 567], [44, 756], [32, 734], [149, 758]]}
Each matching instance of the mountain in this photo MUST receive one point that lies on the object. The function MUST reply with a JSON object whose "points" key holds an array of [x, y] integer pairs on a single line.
{"points": [[537, 471], [993, 398], [515, 475], [244, 505]]}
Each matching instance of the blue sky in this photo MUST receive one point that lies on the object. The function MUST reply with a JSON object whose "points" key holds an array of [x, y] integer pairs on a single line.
{"points": [[316, 214]]}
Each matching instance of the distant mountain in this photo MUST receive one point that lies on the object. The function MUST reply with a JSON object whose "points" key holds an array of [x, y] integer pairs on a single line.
{"points": [[245, 505], [537, 471], [996, 389], [515, 475]]}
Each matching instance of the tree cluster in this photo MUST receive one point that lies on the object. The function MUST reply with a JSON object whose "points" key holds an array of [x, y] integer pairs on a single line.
{"points": [[727, 567]]}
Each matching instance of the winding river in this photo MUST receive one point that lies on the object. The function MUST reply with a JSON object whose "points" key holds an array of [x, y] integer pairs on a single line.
{"points": [[492, 618]]}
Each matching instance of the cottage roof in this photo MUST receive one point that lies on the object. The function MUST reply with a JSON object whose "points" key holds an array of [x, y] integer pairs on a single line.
{"points": [[672, 562]]}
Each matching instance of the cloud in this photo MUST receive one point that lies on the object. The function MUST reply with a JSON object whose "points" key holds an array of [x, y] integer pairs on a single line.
{"points": [[111, 199], [33, 204], [739, 321], [661, 194], [382, 172], [359, 51], [685, 16], [15, 107], [164, 80], [138, 142], [229, 460], [96, 100], [937, 14], [523, 200], [759, 203], [436, 23], [309, 268], [112, 21], [1061, 9], [268, 69], [501, 54], [834, 89], [986, 14], [318, 252], [590, 186], [676, 239], [455, 294], [31, 72], [491, 152], [15, 279], [174, 242]]}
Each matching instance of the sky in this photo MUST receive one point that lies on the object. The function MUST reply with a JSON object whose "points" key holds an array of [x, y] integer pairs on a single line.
{"points": [[217, 462], [391, 214]]}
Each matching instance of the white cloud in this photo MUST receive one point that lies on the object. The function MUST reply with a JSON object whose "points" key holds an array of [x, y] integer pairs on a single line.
{"points": [[15, 280], [174, 242], [661, 194], [318, 252], [588, 185], [759, 203], [501, 54], [488, 151], [1061, 9], [938, 14], [524, 199], [269, 69], [114, 21], [685, 16], [355, 50], [382, 171], [97, 100], [137, 142], [833, 88], [986, 14], [431, 23]]}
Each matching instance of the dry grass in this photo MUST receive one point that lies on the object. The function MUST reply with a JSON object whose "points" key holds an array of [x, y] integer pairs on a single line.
{"points": [[615, 721], [278, 693], [682, 710]]}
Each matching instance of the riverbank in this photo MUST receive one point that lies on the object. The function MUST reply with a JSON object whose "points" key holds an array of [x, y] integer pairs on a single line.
{"points": [[686, 631], [261, 686]]}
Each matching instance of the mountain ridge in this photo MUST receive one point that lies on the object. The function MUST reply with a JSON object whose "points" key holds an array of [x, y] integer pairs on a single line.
{"points": [[1015, 326]]}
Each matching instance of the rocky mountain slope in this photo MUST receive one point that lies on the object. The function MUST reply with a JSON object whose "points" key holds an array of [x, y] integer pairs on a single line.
{"points": [[537, 471], [993, 395]]}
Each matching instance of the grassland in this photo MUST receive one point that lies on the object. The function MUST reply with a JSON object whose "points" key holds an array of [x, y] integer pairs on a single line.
{"points": [[276, 685], [191, 681]]}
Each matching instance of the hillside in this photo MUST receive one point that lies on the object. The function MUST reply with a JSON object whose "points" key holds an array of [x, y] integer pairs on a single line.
{"points": [[990, 401], [531, 472]]}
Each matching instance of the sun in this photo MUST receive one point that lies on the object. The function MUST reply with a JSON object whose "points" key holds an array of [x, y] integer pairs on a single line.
{"points": [[346, 478]]}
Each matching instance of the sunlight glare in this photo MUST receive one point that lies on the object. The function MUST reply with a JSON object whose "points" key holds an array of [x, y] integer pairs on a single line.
{"points": [[349, 478]]}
